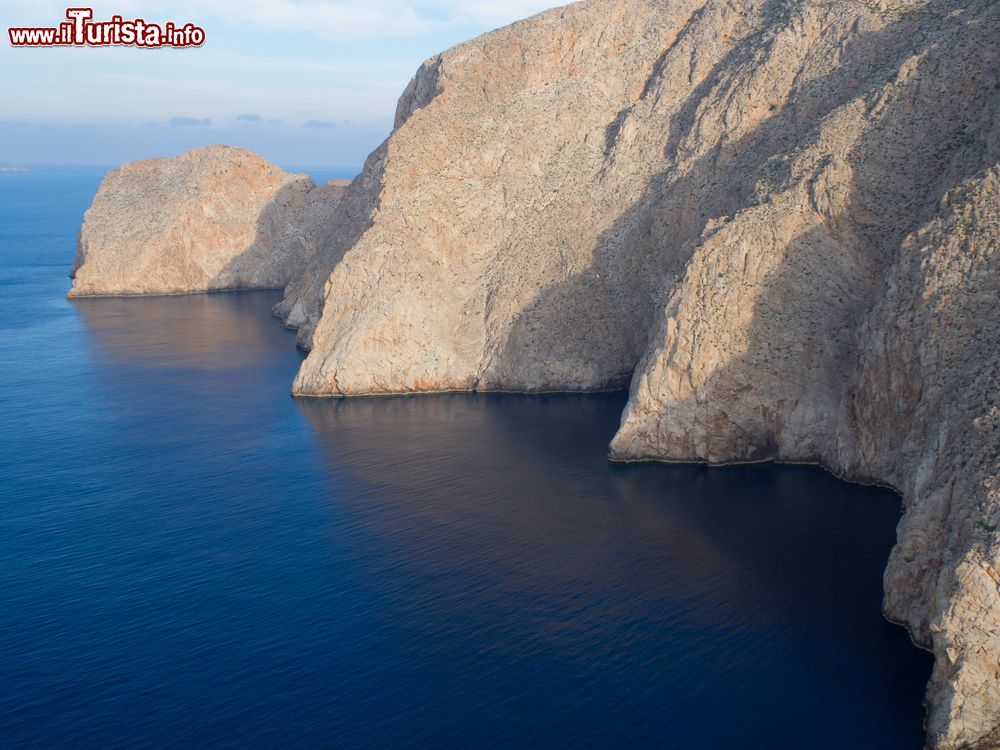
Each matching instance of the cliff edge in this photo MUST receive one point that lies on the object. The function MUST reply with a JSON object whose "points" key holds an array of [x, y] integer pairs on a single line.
{"points": [[208, 219], [776, 220]]}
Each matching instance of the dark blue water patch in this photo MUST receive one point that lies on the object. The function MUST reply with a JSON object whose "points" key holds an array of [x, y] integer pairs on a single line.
{"points": [[191, 558]]}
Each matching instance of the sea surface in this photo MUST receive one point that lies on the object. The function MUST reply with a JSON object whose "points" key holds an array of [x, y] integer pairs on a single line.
{"points": [[191, 558]]}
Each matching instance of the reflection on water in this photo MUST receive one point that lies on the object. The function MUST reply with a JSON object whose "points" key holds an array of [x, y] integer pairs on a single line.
{"points": [[525, 486], [189, 557], [198, 330], [698, 607]]}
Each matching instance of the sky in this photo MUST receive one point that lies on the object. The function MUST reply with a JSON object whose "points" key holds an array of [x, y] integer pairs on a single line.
{"points": [[302, 82]]}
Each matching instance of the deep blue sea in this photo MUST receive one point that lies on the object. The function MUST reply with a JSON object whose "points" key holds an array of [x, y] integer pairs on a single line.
{"points": [[190, 558]]}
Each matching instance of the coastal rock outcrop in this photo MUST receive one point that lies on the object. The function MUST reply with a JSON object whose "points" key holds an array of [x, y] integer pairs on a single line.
{"points": [[207, 219], [777, 221], [328, 223]]}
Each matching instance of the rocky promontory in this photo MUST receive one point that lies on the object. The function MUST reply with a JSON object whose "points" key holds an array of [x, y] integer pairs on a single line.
{"points": [[208, 219], [777, 222]]}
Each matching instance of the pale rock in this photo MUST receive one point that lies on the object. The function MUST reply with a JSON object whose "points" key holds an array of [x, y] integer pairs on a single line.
{"points": [[777, 220], [205, 220], [329, 222]]}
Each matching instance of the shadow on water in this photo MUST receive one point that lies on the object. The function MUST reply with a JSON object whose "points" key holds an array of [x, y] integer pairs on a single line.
{"points": [[696, 607], [189, 557]]}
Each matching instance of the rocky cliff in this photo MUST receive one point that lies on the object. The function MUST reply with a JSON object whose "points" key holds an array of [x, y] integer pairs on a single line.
{"points": [[328, 224], [214, 218], [776, 220]]}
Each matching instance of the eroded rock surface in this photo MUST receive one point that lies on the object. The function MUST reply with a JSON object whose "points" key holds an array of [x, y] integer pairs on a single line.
{"points": [[776, 219], [207, 219], [328, 224], [780, 216]]}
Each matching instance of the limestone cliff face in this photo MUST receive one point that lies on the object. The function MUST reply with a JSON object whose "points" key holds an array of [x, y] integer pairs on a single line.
{"points": [[492, 198], [209, 219], [328, 223], [778, 220], [925, 403]]}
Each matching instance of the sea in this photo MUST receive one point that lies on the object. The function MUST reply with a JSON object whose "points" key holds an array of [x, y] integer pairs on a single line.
{"points": [[191, 558]]}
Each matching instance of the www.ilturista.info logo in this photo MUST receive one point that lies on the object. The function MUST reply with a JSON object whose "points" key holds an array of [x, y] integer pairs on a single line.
{"points": [[80, 30]]}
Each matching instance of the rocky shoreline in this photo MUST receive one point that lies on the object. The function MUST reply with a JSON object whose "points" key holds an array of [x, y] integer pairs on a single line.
{"points": [[777, 221]]}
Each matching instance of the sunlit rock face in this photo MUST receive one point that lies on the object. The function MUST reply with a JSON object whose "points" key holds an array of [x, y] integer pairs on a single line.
{"points": [[776, 221], [208, 219]]}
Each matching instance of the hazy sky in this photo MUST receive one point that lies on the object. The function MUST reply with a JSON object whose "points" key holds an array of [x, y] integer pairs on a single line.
{"points": [[302, 82]]}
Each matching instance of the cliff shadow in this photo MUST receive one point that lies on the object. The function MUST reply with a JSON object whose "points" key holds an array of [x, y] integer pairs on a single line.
{"points": [[610, 307], [300, 237], [326, 228], [270, 261], [935, 130]]}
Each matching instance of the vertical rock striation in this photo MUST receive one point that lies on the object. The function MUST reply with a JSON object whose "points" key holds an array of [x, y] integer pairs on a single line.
{"points": [[777, 219], [780, 216]]}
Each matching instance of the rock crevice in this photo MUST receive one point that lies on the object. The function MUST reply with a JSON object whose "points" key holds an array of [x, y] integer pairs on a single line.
{"points": [[777, 221]]}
